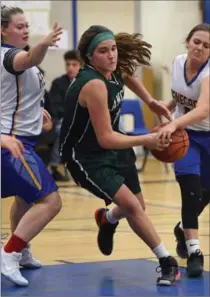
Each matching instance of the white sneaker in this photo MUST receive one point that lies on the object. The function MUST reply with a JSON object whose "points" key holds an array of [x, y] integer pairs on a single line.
{"points": [[28, 261], [10, 267]]}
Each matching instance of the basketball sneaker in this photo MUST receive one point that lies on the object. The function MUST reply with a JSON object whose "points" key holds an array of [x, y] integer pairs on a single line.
{"points": [[169, 271], [181, 248], [10, 268], [28, 261], [195, 264], [106, 231]]}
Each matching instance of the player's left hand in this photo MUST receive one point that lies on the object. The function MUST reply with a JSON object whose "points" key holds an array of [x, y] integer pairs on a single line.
{"points": [[165, 132], [47, 122], [12, 144], [160, 109]]}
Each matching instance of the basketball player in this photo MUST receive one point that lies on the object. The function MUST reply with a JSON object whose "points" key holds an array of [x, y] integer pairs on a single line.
{"points": [[191, 100], [100, 158], [36, 201]]}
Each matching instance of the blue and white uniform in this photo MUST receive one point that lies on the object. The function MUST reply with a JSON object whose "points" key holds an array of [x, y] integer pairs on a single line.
{"points": [[22, 101], [186, 93]]}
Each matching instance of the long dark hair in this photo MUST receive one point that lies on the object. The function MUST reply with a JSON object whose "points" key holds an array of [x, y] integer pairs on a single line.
{"points": [[132, 50]]}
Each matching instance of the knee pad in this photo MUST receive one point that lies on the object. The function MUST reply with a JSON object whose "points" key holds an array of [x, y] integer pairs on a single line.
{"points": [[190, 186]]}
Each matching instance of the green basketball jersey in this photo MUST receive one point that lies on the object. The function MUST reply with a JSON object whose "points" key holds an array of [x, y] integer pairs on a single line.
{"points": [[77, 131]]}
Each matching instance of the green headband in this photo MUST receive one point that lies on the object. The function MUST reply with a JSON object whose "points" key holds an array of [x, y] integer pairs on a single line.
{"points": [[98, 39]]}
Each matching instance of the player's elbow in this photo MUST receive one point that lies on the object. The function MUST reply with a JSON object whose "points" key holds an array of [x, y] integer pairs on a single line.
{"points": [[206, 114], [106, 141], [204, 111]]}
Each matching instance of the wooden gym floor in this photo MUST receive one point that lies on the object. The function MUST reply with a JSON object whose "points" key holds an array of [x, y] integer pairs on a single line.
{"points": [[73, 265]]}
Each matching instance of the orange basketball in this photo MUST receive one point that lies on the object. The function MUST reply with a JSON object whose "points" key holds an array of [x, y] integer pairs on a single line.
{"points": [[177, 148]]}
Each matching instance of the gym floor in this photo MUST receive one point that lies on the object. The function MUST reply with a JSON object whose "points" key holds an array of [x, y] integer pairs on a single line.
{"points": [[73, 265]]}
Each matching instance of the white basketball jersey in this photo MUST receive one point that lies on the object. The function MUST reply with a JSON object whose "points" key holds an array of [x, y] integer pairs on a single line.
{"points": [[21, 101], [186, 93]]}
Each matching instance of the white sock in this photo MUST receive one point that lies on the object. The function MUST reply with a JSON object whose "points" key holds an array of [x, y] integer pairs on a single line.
{"points": [[110, 217], [192, 246], [160, 251]]}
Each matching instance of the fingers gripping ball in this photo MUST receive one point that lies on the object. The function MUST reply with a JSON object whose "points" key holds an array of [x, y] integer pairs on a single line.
{"points": [[177, 148]]}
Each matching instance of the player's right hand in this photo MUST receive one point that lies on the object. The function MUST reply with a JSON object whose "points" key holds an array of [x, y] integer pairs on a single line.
{"points": [[166, 131], [52, 37], [13, 145], [154, 142]]}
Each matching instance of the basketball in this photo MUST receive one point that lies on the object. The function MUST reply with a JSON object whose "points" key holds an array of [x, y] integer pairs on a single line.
{"points": [[177, 148]]}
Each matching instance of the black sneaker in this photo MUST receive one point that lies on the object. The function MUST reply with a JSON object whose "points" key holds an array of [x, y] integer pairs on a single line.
{"points": [[106, 232], [195, 264], [169, 270], [181, 248]]}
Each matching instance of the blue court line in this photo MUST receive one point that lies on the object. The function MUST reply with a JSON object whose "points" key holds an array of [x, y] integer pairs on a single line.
{"points": [[135, 277]]}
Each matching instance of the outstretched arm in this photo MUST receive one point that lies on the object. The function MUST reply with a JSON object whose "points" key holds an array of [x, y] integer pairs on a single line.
{"points": [[17, 60], [136, 86]]}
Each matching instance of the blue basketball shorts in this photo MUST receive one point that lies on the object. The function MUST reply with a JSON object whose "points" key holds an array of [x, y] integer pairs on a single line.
{"points": [[197, 159], [27, 178]]}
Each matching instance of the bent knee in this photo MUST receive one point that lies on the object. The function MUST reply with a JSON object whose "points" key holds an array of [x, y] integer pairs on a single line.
{"points": [[134, 208], [53, 202]]}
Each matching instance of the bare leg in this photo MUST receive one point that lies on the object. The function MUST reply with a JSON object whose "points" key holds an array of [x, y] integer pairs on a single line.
{"points": [[38, 216], [136, 216], [18, 209], [118, 213]]}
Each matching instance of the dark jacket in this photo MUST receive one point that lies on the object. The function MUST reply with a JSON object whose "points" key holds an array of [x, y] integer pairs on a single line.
{"points": [[57, 95]]}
